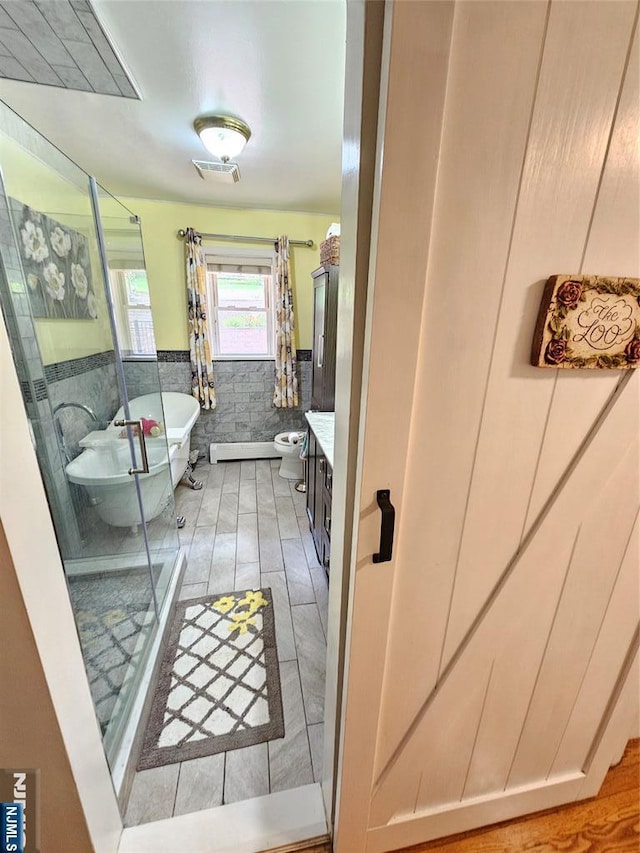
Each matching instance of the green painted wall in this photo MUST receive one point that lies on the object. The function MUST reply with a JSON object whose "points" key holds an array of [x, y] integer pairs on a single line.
{"points": [[164, 256]]}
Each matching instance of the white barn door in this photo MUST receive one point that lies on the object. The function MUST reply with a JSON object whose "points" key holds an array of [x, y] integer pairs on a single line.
{"points": [[491, 663]]}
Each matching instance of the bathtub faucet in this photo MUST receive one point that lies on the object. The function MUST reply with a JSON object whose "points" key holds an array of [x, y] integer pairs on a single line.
{"points": [[58, 425]]}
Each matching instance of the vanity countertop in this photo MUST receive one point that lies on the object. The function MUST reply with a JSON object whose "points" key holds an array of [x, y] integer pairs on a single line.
{"points": [[322, 424]]}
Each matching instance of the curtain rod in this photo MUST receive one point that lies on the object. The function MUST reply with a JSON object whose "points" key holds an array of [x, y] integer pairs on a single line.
{"points": [[235, 238]]}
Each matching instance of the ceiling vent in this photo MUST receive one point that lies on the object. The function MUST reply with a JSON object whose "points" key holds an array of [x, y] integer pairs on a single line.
{"points": [[220, 173]]}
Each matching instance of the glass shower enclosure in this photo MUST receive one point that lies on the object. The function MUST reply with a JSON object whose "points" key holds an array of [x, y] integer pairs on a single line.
{"points": [[64, 244]]}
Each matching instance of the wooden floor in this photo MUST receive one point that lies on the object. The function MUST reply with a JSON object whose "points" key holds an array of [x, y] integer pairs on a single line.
{"points": [[609, 823]]}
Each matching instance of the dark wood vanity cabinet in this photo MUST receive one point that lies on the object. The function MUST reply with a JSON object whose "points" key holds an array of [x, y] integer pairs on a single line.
{"points": [[325, 320], [323, 391], [319, 488]]}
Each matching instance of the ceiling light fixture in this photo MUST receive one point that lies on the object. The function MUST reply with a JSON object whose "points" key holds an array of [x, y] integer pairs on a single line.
{"points": [[223, 136]]}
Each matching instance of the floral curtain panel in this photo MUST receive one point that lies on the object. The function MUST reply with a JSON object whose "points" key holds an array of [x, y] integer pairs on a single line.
{"points": [[202, 386], [285, 395]]}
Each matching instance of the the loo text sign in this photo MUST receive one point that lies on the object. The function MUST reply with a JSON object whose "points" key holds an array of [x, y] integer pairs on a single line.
{"points": [[588, 321]]}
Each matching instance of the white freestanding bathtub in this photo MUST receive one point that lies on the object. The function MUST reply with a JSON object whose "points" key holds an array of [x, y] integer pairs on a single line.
{"points": [[102, 467]]}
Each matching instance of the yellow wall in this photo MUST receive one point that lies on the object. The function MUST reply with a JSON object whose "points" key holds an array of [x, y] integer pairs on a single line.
{"points": [[164, 256], [31, 181]]}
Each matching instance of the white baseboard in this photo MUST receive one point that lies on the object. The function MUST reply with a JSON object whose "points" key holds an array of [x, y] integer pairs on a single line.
{"points": [[241, 450]]}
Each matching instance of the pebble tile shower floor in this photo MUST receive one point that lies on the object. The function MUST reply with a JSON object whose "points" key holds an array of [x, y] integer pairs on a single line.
{"points": [[248, 528]]}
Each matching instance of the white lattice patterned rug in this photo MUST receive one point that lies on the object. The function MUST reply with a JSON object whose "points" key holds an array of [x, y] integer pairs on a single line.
{"points": [[219, 685]]}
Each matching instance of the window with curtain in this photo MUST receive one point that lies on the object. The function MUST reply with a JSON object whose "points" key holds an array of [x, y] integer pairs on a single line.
{"points": [[130, 292], [241, 307]]}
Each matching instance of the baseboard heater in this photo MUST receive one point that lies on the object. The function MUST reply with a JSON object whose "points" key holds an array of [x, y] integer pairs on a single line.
{"points": [[241, 450]]}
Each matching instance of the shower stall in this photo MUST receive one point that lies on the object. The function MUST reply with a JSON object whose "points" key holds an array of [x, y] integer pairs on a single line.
{"points": [[75, 302]]}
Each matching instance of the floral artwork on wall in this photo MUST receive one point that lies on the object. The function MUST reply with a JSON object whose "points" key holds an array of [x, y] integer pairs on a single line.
{"points": [[56, 264], [588, 321]]}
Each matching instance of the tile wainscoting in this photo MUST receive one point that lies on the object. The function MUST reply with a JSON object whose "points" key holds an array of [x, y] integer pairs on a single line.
{"points": [[244, 389], [91, 380]]}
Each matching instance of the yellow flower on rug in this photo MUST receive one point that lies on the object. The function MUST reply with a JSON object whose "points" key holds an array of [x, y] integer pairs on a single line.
{"points": [[255, 600], [224, 604], [241, 622], [241, 608]]}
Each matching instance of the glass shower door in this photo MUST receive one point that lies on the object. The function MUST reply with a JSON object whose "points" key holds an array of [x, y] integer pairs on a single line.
{"points": [[128, 286], [118, 547]]}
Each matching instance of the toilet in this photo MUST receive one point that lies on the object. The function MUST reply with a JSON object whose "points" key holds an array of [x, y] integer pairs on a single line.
{"points": [[291, 467]]}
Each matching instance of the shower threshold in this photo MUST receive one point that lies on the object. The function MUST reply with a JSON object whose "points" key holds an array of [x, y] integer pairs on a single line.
{"points": [[162, 559]]}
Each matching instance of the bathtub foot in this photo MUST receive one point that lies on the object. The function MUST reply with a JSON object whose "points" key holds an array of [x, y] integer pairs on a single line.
{"points": [[180, 521], [190, 479]]}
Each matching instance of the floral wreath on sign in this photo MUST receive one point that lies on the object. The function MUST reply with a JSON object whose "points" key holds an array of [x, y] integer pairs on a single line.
{"points": [[567, 298]]}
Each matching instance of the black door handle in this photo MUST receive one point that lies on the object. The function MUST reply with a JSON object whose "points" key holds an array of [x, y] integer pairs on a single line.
{"points": [[386, 526]]}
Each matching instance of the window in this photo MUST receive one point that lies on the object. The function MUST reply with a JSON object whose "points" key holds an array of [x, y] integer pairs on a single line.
{"points": [[130, 290], [241, 307]]}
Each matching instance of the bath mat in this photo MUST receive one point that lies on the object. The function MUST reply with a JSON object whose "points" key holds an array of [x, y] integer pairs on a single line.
{"points": [[219, 685]]}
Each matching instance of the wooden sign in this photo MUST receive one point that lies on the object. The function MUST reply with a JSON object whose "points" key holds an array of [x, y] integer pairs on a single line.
{"points": [[588, 321]]}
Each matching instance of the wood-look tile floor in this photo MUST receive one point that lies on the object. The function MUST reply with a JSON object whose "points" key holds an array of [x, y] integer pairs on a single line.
{"points": [[247, 527]]}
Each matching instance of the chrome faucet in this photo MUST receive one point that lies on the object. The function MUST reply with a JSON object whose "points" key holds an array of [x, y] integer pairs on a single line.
{"points": [[56, 420]]}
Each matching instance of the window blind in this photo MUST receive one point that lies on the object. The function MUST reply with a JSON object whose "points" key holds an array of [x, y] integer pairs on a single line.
{"points": [[240, 267]]}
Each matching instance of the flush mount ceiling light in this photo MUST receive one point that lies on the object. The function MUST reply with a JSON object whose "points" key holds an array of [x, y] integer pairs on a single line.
{"points": [[223, 136]]}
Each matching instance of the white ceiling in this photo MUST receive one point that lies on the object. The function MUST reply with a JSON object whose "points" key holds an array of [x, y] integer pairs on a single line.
{"points": [[277, 64]]}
